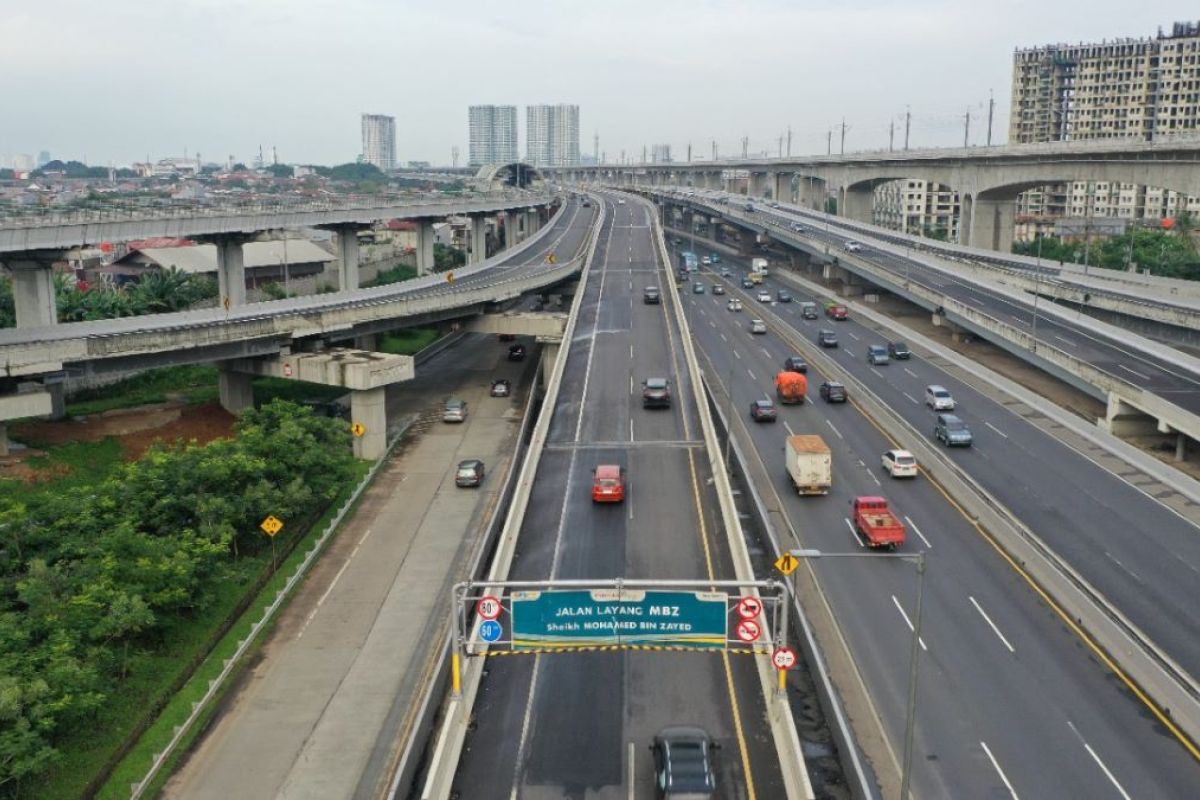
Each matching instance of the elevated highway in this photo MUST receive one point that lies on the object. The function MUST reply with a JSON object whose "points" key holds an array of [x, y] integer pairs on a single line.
{"points": [[1011, 701]]}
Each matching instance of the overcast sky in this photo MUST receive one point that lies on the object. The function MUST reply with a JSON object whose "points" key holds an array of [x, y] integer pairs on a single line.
{"points": [[120, 80]]}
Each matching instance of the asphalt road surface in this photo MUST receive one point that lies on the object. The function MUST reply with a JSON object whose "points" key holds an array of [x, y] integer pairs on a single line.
{"points": [[1011, 703], [578, 725]]}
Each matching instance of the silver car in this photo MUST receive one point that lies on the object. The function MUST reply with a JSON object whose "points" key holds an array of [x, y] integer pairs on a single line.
{"points": [[454, 411]]}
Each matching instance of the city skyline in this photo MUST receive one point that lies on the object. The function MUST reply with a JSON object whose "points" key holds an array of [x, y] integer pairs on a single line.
{"points": [[638, 96]]}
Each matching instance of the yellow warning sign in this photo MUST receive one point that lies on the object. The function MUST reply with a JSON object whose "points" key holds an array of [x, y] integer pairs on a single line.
{"points": [[358, 429], [553, 259], [271, 525], [787, 563], [449, 277]]}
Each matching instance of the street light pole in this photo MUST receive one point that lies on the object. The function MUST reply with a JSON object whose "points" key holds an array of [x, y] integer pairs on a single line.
{"points": [[1037, 282], [914, 660]]}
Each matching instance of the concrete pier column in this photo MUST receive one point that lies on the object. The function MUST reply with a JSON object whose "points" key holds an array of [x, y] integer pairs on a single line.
{"points": [[990, 225], [856, 204], [231, 271], [478, 238], [1180, 446], [367, 341], [549, 359], [369, 409], [782, 187], [347, 242], [236, 390], [3, 438], [810, 192], [33, 293], [532, 222], [425, 261]]}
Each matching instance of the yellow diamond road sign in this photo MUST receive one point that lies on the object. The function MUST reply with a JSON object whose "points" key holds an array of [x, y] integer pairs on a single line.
{"points": [[449, 277], [272, 525], [787, 563], [358, 429]]}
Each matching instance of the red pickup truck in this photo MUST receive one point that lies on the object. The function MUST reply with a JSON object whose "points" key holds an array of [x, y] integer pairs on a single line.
{"points": [[836, 311], [876, 523]]}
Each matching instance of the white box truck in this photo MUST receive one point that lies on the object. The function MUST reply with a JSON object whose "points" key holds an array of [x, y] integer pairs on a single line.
{"points": [[759, 266], [809, 464]]}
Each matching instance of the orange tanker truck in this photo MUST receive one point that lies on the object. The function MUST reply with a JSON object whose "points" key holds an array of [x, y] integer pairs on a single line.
{"points": [[791, 387]]}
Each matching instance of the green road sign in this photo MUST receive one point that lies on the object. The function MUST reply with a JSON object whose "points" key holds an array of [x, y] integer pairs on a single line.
{"points": [[618, 616]]}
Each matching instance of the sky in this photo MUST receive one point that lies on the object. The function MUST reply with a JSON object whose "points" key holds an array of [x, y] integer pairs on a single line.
{"points": [[118, 81]]}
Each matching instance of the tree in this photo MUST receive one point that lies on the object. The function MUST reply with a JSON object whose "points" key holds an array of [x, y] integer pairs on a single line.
{"points": [[280, 170]]}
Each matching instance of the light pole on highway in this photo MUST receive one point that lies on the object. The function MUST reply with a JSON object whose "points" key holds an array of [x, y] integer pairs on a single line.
{"points": [[911, 713], [1037, 283]]}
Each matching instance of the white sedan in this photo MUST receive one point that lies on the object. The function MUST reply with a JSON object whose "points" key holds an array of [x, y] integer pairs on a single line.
{"points": [[734, 304], [900, 464], [758, 326], [764, 297]]}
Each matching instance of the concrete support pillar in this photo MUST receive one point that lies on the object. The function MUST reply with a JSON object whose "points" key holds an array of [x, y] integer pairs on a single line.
{"points": [[33, 293], [236, 390], [990, 224], [1180, 446], [532, 222], [782, 187], [3, 438], [347, 242], [856, 204], [231, 271], [368, 341], [549, 359], [369, 409], [810, 192], [512, 228], [478, 238], [425, 260], [58, 399]]}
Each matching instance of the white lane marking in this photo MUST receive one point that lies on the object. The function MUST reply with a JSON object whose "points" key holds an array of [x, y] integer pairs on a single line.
{"points": [[1018, 320], [877, 373], [917, 531], [909, 396], [332, 584], [631, 286], [847, 352], [996, 764], [988, 619], [788, 428], [766, 352], [1066, 341], [1117, 561], [631, 429], [712, 324], [852, 336], [835, 430], [1092, 753], [630, 350], [854, 533], [751, 374], [908, 622], [631, 384], [910, 372], [630, 772], [723, 339], [997, 430], [702, 312], [872, 474], [735, 355], [1133, 372]]}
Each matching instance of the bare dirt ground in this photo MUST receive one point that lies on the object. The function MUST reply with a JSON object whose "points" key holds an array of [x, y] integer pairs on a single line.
{"points": [[135, 428]]}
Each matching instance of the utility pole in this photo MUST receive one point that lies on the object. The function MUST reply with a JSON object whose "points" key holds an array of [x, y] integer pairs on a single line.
{"points": [[643, 154], [689, 152], [596, 147], [781, 145], [829, 143], [991, 112], [842, 150], [714, 158], [967, 128], [745, 147], [907, 123], [789, 150], [891, 135]]}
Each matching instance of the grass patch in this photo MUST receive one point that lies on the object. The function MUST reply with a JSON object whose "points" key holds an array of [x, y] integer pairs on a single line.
{"points": [[194, 638], [197, 383], [407, 342], [70, 465], [401, 272]]}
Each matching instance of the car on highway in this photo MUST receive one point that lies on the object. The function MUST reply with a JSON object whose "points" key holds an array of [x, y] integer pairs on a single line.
{"points": [[608, 484], [795, 364], [836, 311], [725, 272], [951, 431], [762, 410], [468, 473], [621, 201], [454, 410], [705, 260], [783, 296], [877, 355], [656, 393], [516, 352], [749, 208], [808, 310], [734, 304], [651, 295], [501, 387], [900, 464], [747, 283], [899, 351], [683, 764], [827, 338], [852, 247], [939, 398], [832, 392], [716, 258], [797, 227], [764, 296], [697, 288], [718, 289], [758, 326]]}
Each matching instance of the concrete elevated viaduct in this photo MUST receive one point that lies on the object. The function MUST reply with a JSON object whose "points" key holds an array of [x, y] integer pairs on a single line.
{"points": [[988, 179]]}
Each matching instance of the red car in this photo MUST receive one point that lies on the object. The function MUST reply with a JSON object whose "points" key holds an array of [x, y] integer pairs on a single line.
{"points": [[608, 484]]}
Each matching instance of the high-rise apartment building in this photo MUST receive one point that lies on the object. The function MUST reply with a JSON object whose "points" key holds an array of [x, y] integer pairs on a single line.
{"points": [[660, 154], [379, 141], [492, 135], [918, 207], [552, 135], [1144, 89]]}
